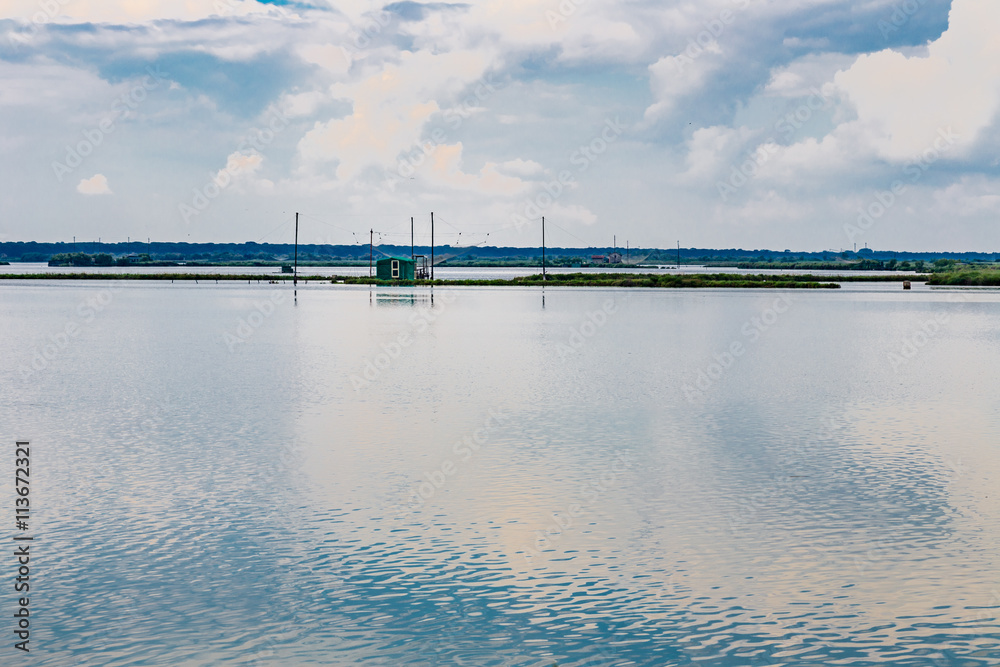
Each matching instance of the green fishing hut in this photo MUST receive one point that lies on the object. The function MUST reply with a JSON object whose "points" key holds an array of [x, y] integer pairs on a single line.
{"points": [[395, 268]]}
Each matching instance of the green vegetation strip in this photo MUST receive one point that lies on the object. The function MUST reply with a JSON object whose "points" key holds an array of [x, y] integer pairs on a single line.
{"points": [[864, 278], [552, 280], [968, 277], [734, 280]]}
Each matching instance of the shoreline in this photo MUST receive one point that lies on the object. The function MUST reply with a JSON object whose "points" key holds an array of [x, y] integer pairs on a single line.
{"points": [[648, 280]]}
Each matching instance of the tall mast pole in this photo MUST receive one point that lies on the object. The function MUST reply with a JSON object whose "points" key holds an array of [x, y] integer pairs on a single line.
{"points": [[432, 245], [412, 255], [371, 250], [678, 254], [295, 276], [543, 247]]}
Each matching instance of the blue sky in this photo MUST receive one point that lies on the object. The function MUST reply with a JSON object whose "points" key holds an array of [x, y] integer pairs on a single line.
{"points": [[802, 124]]}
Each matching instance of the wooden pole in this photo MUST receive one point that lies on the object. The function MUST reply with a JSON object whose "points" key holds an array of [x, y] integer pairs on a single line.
{"points": [[432, 245], [295, 275], [371, 250], [543, 247], [678, 254], [412, 254]]}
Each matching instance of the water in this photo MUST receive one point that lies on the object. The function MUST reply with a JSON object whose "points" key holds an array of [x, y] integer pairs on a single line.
{"points": [[507, 476]]}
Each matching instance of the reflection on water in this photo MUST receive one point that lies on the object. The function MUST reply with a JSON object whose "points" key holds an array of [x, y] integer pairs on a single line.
{"points": [[605, 477], [394, 298]]}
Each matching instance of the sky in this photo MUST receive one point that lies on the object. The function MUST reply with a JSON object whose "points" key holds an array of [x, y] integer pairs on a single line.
{"points": [[801, 124]]}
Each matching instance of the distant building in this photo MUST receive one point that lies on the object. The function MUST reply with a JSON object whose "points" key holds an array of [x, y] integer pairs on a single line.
{"points": [[598, 259], [615, 258]]}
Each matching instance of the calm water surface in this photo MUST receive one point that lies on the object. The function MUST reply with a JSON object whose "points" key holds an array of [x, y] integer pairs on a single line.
{"points": [[224, 476]]}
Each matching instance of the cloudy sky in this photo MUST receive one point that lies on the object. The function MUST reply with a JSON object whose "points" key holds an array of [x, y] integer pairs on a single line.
{"points": [[802, 124]]}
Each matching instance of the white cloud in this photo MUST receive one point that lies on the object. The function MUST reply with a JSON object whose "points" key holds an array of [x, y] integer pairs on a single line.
{"points": [[581, 30], [333, 58], [303, 104], [66, 89], [127, 11], [712, 149], [391, 108], [243, 163], [902, 102], [808, 75], [96, 185], [672, 78], [445, 168], [809, 160], [240, 170], [972, 196], [770, 205], [572, 214], [522, 168]]}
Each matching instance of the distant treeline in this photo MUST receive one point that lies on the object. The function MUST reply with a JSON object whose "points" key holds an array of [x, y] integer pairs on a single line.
{"points": [[83, 259], [920, 266], [159, 251]]}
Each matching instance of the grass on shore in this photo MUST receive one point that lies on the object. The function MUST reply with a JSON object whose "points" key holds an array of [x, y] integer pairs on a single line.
{"points": [[552, 280], [734, 280], [968, 277]]}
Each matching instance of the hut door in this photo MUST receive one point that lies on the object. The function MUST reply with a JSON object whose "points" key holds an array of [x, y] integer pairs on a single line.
{"points": [[395, 268]]}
